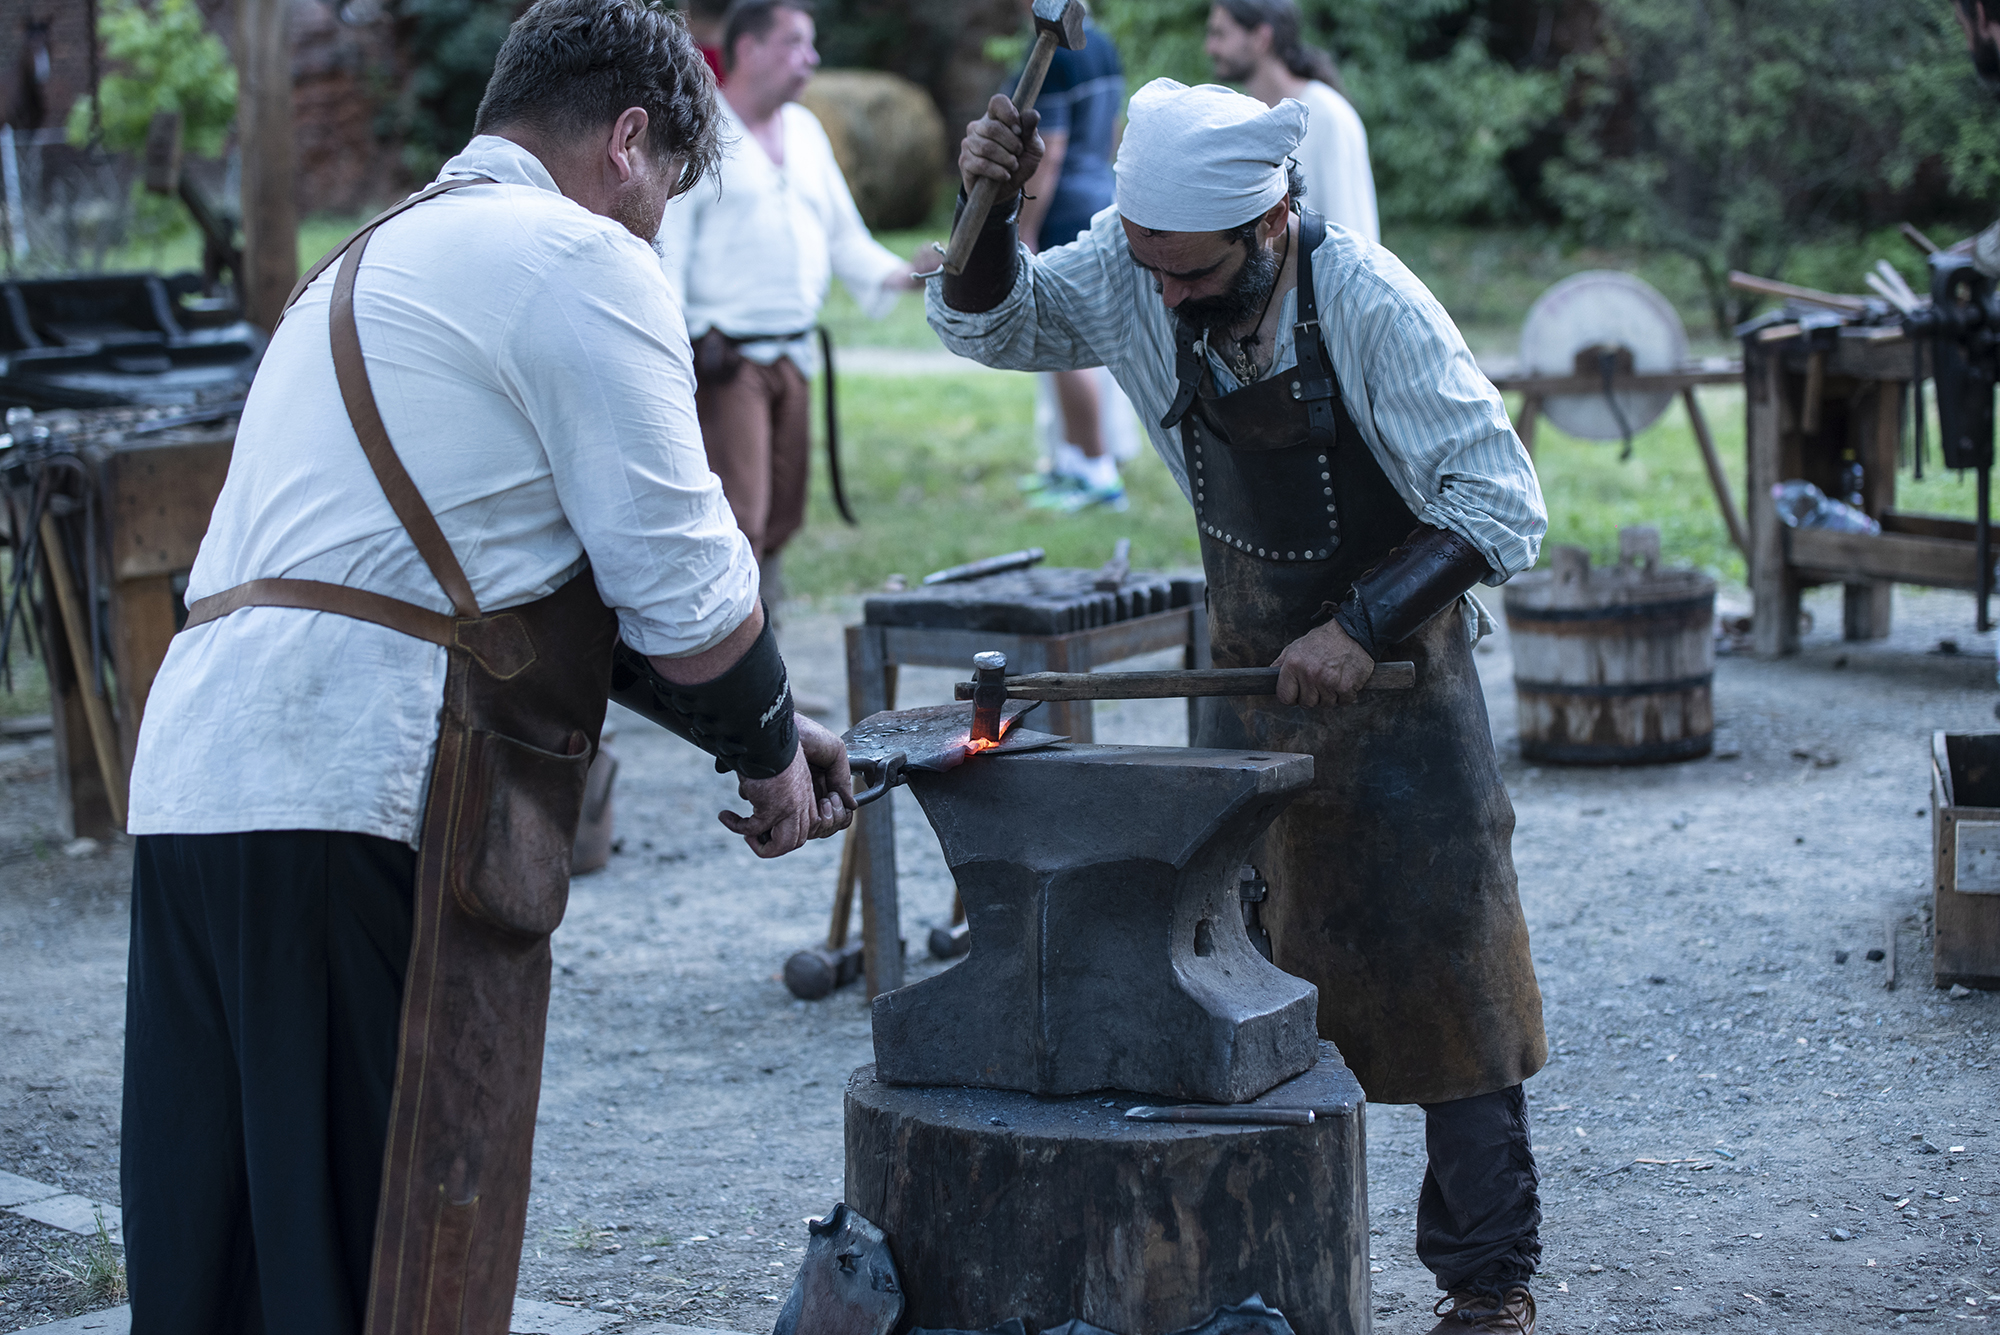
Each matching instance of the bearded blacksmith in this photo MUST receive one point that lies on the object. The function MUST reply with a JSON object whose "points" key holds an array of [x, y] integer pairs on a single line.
{"points": [[1353, 475]]}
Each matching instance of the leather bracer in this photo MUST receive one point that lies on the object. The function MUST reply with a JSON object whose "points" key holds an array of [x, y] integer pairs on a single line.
{"points": [[1426, 574], [995, 259], [743, 718]]}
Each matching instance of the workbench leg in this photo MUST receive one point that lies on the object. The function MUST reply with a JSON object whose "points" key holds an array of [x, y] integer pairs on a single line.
{"points": [[1197, 656], [142, 626], [1864, 610], [1070, 718], [875, 824], [1774, 588], [83, 804]]}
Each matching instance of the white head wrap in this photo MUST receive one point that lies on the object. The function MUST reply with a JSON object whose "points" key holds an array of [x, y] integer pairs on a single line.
{"points": [[1203, 159]]}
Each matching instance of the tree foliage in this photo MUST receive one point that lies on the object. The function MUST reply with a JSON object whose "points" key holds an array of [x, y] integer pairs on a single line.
{"points": [[167, 60], [1733, 131], [449, 47], [1443, 113]]}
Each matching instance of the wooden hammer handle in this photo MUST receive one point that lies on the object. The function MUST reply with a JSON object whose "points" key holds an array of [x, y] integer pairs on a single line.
{"points": [[986, 191], [1175, 684]]}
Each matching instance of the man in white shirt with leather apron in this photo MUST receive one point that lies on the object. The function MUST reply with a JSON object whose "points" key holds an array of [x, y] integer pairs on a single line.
{"points": [[1353, 475], [468, 498]]}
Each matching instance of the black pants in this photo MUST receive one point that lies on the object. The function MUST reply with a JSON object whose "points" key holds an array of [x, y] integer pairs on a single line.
{"points": [[1479, 1218], [265, 991]]}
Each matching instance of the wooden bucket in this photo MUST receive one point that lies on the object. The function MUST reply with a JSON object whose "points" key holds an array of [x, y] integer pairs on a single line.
{"points": [[1613, 666]]}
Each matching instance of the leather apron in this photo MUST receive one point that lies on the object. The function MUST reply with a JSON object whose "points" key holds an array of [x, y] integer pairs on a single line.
{"points": [[1392, 885], [524, 702]]}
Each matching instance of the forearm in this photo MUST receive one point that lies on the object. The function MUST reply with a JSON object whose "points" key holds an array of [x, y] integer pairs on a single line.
{"points": [[733, 700], [994, 263], [1427, 573]]}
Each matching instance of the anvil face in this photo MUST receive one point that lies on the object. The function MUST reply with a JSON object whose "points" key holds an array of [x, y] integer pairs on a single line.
{"points": [[1108, 949]]}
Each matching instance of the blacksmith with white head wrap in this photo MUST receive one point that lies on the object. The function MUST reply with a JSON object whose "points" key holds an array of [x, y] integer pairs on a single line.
{"points": [[1353, 476]]}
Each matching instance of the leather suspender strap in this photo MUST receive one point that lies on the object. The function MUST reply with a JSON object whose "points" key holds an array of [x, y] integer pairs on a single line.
{"points": [[315, 596], [325, 261], [408, 503], [359, 396], [1315, 384]]}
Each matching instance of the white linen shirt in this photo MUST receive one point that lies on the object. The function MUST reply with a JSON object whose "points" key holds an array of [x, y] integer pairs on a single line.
{"points": [[1340, 185], [755, 252], [1434, 423], [534, 374]]}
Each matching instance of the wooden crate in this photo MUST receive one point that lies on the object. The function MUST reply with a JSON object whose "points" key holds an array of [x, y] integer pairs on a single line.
{"points": [[1965, 841]]}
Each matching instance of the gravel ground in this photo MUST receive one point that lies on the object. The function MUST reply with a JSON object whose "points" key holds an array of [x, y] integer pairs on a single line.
{"points": [[1735, 1130]]}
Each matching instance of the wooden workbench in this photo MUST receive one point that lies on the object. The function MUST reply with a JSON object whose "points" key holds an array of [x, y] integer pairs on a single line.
{"points": [[154, 494], [1809, 404]]}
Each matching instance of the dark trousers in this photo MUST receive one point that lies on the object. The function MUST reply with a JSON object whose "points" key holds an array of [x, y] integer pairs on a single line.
{"points": [[1479, 1219], [263, 1003]]}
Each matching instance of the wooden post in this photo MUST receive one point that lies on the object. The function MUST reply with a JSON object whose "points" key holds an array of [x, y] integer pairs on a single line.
{"points": [[1874, 430], [1774, 588], [1524, 426], [875, 824], [1718, 481], [270, 166]]}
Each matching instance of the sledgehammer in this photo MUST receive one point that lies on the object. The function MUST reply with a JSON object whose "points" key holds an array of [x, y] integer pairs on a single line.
{"points": [[1057, 23]]}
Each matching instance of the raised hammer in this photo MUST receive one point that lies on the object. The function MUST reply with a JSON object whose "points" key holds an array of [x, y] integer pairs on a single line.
{"points": [[1057, 23]]}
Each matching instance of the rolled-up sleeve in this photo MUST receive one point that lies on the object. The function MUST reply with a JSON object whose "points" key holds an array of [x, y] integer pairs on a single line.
{"points": [[1070, 307], [1440, 423], [597, 357]]}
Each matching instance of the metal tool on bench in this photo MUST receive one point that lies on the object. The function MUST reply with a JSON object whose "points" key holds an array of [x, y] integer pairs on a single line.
{"points": [[1058, 23], [1168, 684]]}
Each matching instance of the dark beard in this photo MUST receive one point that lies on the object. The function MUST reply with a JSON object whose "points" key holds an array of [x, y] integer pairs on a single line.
{"points": [[1246, 298]]}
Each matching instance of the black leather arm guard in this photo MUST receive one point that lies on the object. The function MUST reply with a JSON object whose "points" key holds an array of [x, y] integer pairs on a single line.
{"points": [[989, 270], [1408, 587], [743, 718]]}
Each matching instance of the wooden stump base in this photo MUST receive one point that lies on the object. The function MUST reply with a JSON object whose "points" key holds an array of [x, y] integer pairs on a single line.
{"points": [[1000, 1204]]}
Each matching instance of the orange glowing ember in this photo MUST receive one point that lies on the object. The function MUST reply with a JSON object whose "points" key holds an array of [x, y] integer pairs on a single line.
{"points": [[975, 745]]}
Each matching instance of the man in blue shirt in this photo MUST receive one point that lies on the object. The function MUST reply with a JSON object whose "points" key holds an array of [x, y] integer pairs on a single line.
{"points": [[1080, 103]]}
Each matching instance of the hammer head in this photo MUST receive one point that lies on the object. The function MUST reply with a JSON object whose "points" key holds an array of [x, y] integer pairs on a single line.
{"points": [[1061, 19]]}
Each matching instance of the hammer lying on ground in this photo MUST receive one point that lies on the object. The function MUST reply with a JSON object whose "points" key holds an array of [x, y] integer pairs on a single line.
{"points": [[1057, 23]]}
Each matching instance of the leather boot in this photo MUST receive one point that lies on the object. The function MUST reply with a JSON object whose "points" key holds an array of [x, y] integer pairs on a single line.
{"points": [[1513, 1313]]}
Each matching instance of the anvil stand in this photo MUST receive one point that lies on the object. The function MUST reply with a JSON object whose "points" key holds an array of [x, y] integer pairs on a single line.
{"points": [[1109, 966]]}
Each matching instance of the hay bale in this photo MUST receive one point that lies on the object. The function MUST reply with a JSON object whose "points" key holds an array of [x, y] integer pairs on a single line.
{"points": [[889, 139]]}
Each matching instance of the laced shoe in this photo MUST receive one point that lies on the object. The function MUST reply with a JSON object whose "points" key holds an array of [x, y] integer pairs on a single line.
{"points": [[1046, 479], [1079, 496], [1512, 1313]]}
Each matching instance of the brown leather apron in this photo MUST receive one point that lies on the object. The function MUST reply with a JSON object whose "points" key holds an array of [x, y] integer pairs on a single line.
{"points": [[524, 702], [1392, 876]]}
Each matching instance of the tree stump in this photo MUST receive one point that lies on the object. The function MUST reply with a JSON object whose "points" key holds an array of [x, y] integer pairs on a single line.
{"points": [[999, 1204]]}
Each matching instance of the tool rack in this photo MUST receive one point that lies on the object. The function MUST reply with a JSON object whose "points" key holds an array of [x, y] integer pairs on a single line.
{"points": [[127, 493]]}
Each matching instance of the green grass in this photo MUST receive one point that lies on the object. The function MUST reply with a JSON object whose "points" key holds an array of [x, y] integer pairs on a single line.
{"points": [[931, 464]]}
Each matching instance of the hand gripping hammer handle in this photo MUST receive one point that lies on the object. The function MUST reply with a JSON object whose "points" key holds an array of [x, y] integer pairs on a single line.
{"points": [[1057, 23]]}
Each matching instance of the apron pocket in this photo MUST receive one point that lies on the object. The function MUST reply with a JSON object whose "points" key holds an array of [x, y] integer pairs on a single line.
{"points": [[510, 860]]}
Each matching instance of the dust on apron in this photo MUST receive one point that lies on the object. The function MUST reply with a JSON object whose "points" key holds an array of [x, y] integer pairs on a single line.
{"points": [[1392, 877], [524, 701]]}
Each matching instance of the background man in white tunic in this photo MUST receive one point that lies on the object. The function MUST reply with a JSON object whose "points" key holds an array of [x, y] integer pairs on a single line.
{"points": [[1256, 43], [752, 259]]}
